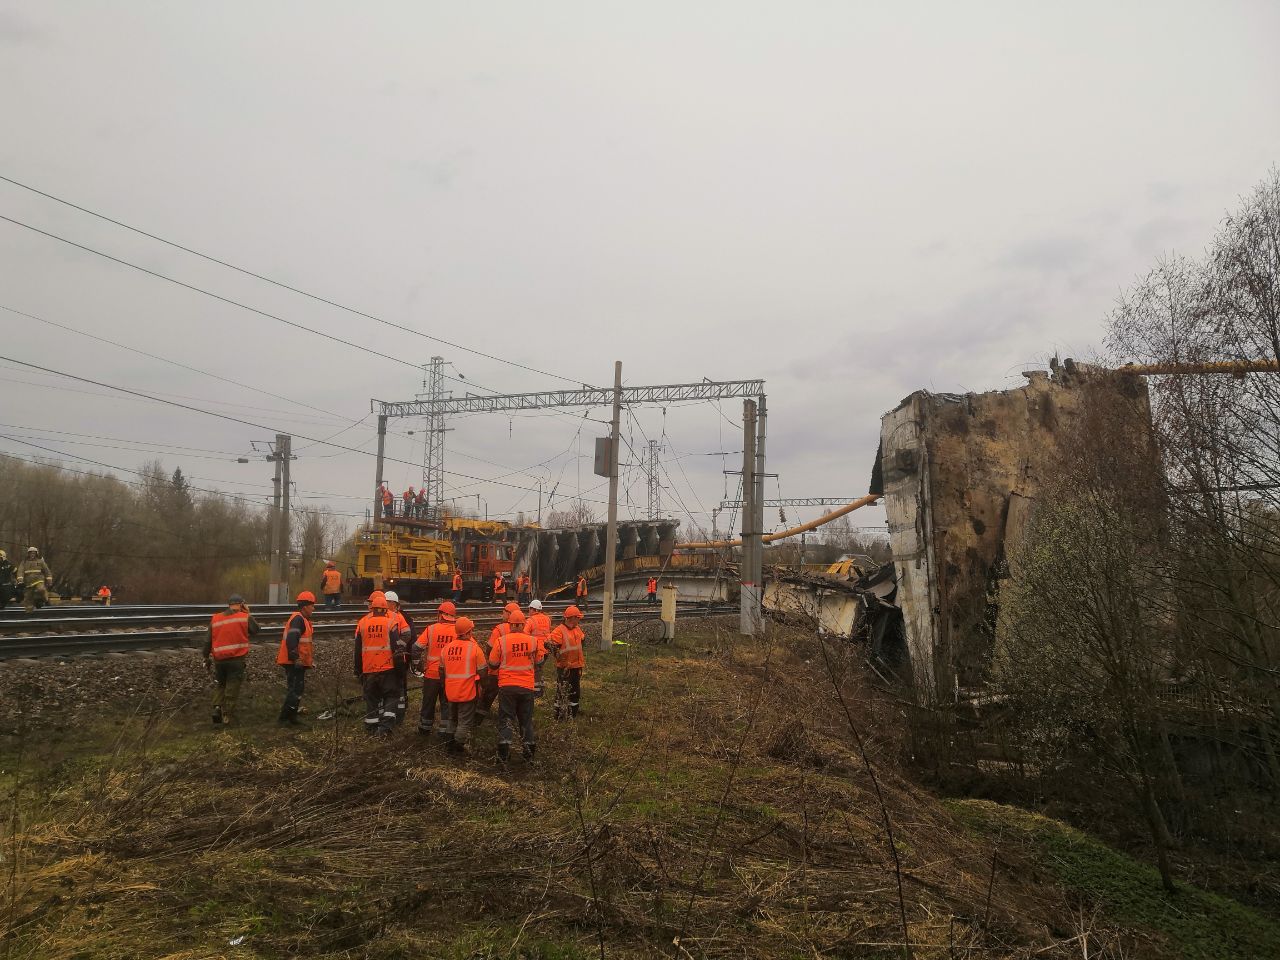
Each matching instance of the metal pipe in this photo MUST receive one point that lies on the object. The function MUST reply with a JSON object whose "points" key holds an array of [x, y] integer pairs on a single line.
{"points": [[866, 501]]}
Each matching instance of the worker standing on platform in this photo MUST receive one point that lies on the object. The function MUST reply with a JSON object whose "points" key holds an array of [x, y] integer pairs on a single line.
{"points": [[408, 501], [297, 654], [566, 640], [388, 501], [331, 584], [405, 626], [226, 651], [36, 578], [463, 663], [652, 589], [499, 588], [377, 642], [435, 707], [420, 504], [515, 655], [537, 624], [580, 591], [457, 586]]}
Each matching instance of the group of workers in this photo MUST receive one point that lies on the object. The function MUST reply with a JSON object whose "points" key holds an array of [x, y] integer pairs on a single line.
{"points": [[30, 580], [462, 675], [413, 504]]}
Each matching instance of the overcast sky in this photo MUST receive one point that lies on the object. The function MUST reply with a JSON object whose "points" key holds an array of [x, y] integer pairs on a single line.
{"points": [[850, 200]]}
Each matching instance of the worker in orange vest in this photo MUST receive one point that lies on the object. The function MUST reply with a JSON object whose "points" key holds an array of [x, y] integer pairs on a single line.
{"points": [[331, 584], [580, 591], [297, 653], [524, 588], [388, 501], [652, 589], [428, 647], [499, 588], [408, 501], [566, 640], [226, 650], [420, 502], [405, 625], [463, 663], [537, 624], [457, 586], [104, 595], [489, 686], [377, 643], [515, 655]]}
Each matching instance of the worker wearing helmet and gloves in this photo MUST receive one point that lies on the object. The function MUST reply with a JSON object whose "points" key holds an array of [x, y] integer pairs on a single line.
{"points": [[566, 640], [296, 656], [515, 655], [435, 706], [462, 662], [537, 624], [8, 586], [396, 613], [377, 643], [226, 651], [34, 575]]}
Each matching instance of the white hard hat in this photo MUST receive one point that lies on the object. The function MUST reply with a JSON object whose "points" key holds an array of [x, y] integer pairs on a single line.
{"points": [[535, 604], [392, 596]]}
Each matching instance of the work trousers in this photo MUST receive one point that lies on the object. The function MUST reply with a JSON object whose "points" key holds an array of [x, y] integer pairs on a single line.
{"points": [[295, 680], [402, 677], [488, 691], [460, 719], [457, 596], [500, 599], [332, 600], [435, 708], [381, 694], [35, 596], [515, 708], [653, 598], [228, 674], [568, 691]]}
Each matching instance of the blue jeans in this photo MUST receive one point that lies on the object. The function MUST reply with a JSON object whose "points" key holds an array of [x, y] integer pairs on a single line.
{"points": [[332, 599]]}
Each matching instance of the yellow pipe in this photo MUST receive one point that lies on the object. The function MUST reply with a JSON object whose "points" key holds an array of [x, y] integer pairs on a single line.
{"points": [[783, 534]]}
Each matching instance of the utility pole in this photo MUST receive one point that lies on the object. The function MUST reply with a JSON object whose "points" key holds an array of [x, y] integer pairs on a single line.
{"points": [[382, 447], [757, 554], [277, 588], [655, 488], [611, 533], [433, 444], [748, 588], [285, 455]]}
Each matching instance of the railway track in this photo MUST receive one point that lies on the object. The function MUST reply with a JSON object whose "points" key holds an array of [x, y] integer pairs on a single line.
{"points": [[125, 629]]}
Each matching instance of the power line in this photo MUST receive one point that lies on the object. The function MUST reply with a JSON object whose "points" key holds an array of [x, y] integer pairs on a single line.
{"points": [[265, 279]]}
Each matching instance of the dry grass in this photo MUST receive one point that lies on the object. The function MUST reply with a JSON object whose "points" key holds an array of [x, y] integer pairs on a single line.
{"points": [[709, 795]]}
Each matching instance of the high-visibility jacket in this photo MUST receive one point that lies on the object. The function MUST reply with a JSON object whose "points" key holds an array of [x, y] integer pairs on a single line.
{"points": [[568, 643], [498, 632], [402, 624], [500, 586], [432, 642], [305, 655], [538, 625], [421, 497], [104, 593], [457, 581], [408, 495], [463, 660], [653, 585], [330, 581], [33, 573], [373, 639], [230, 635], [515, 655], [581, 590]]}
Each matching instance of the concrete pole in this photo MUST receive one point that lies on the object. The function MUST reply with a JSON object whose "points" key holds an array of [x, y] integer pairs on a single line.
{"points": [[747, 588], [285, 538], [277, 531], [757, 555], [382, 446], [611, 534]]}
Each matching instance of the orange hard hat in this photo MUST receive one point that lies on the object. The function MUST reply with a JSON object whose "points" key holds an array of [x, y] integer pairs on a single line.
{"points": [[306, 596], [447, 609], [464, 626], [572, 613], [515, 617], [330, 563], [511, 605], [378, 599]]}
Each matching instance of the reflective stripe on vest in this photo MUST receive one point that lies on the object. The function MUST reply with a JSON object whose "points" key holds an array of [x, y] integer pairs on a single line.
{"points": [[306, 647], [230, 635], [375, 651]]}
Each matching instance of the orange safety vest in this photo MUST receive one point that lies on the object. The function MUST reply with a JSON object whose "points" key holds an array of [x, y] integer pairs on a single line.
{"points": [[374, 633], [408, 495], [331, 581], [104, 592], [437, 637], [306, 648], [568, 646], [499, 585], [462, 662], [386, 497], [422, 495], [515, 655], [457, 581], [582, 587], [538, 625], [230, 635], [653, 585]]}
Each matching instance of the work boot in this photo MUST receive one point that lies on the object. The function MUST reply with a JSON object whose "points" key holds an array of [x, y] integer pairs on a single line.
{"points": [[217, 716], [444, 739], [529, 750], [504, 754], [456, 748]]}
